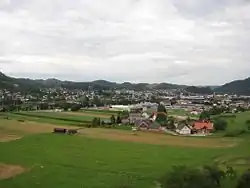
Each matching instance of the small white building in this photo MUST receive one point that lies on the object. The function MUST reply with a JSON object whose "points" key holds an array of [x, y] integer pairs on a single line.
{"points": [[183, 129], [194, 112]]}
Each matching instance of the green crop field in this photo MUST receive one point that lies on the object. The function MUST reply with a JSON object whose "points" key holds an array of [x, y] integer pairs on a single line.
{"points": [[99, 158], [237, 121], [68, 115], [72, 118], [98, 111]]}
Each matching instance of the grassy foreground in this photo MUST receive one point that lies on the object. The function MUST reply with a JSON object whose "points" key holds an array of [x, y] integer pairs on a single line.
{"points": [[84, 162], [94, 160]]}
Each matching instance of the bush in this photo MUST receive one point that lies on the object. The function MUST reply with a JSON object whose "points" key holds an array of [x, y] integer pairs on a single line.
{"points": [[185, 177], [96, 122], [248, 122], [75, 107], [244, 180], [235, 133], [220, 124]]}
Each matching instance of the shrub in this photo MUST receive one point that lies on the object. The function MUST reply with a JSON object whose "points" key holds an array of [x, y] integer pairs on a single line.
{"points": [[248, 122], [187, 177], [235, 133], [244, 180], [75, 107], [220, 124], [96, 122]]}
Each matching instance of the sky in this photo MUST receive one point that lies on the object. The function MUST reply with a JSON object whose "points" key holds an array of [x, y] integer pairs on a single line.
{"points": [[195, 42]]}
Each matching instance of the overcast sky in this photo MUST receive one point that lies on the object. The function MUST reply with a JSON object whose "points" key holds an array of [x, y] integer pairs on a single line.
{"points": [[198, 42]]}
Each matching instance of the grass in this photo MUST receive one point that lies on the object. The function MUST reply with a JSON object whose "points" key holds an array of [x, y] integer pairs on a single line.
{"points": [[181, 112], [236, 123], [85, 162], [39, 119], [94, 160], [68, 115], [97, 111], [61, 118]]}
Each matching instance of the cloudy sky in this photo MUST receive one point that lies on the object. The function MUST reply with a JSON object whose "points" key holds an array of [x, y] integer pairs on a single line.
{"points": [[198, 42]]}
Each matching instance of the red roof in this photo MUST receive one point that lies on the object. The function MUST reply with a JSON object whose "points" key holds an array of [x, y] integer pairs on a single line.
{"points": [[203, 125]]}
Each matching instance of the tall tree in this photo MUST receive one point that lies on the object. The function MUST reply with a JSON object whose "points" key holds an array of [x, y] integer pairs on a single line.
{"points": [[118, 119], [112, 119], [161, 108]]}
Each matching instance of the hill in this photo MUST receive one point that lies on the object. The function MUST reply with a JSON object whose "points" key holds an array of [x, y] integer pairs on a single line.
{"points": [[240, 87], [199, 90], [7, 82]]}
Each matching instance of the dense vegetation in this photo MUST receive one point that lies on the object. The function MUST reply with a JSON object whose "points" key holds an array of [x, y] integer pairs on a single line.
{"points": [[209, 176], [199, 90], [238, 87], [33, 85]]}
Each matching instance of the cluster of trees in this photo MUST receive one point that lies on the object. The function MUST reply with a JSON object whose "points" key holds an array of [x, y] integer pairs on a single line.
{"points": [[115, 120], [120, 116], [97, 122], [205, 177], [220, 124]]}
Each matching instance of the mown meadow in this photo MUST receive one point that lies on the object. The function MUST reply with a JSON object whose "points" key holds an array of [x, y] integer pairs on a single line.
{"points": [[79, 161]]}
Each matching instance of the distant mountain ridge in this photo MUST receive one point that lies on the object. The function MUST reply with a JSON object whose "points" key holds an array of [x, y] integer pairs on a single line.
{"points": [[11, 83], [240, 87], [236, 87]]}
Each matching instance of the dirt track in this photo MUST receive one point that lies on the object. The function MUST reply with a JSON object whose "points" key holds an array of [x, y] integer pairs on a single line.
{"points": [[9, 137], [9, 171]]}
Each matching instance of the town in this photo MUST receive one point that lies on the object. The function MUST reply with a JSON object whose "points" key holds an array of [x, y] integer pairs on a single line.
{"points": [[174, 111]]}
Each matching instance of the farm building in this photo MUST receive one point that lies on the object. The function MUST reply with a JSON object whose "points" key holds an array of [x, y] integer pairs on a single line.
{"points": [[183, 129], [147, 125], [203, 127]]}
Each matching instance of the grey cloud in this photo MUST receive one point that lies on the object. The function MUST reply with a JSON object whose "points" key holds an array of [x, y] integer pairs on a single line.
{"points": [[129, 40]]}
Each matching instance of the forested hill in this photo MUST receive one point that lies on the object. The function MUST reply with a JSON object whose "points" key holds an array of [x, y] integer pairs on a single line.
{"points": [[241, 87], [7, 82]]}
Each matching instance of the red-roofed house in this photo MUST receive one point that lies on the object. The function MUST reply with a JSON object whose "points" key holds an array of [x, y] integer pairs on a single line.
{"points": [[203, 127]]}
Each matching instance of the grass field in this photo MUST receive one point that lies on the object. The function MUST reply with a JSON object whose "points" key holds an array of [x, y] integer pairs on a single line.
{"points": [[238, 122], [61, 118], [109, 158]]}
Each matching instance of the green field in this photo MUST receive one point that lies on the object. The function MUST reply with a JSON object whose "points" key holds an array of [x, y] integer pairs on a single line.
{"points": [[180, 112], [110, 112], [72, 118], [100, 158], [238, 122]]}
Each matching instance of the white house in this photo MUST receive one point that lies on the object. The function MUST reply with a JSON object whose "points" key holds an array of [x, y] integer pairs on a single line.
{"points": [[183, 129], [194, 112], [145, 115]]}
